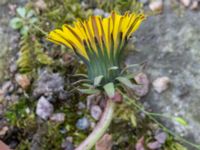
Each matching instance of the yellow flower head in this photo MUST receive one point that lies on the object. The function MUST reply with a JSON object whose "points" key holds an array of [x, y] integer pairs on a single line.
{"points": [[99, 42]]}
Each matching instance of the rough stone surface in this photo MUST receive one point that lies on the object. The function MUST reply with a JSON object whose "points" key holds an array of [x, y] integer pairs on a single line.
{"points": [[44, 108], [169, 43], [22, 80], [48, 84], [58, 117], [83, 123], [161, 84], [96, 112]]}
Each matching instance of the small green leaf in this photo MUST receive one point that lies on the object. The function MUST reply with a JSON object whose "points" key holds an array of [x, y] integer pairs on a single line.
{"points": [[44, 59], [21, 11], [113, 68], [87, 85], [125, 81], [24, 30], [181, 121], [133, 120], [88, 91], [30, 13], [97, 80], [16, 23], [109, 89], [33, 20]]}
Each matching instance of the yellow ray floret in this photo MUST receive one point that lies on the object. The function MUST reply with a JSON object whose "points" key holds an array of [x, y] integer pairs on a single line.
{"points": [[106, 32]]}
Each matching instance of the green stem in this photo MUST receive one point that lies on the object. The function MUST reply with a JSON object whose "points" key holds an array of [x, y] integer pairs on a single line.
{"points": [[100, 128], [150, 115], [39, 29]]}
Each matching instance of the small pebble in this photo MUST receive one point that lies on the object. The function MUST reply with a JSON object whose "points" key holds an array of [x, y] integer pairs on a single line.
{"points": [[13, 68], [143, 1], [95, 112], [48, 83], [140, 144], [154, 145], [195, 5], [143, 82], [58, 117], [63, 95], [81, 106], [186, 3], [3, 131], [44, 108], [161, 84], [22, 80], [161, 137], [98, 12], [156, 6], [83, 123], [67, 145]]}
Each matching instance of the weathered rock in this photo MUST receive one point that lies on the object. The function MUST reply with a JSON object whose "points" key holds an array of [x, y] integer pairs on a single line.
{"points": [[41, 5], [67, 145], [98, 12], [195, 5], [81, 105], [83, 123], [161, 137], [95, 112], [13, 68], [186, 3], [161, 84], [140, 144], [22, 80], [58, 117], [48, 84], [144, 1], [44, 108], [3, 131], [143, 82], [170, 46], [156, 5], [154, 145]]}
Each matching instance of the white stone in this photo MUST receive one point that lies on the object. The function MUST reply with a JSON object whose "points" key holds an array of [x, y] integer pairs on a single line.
{"points": [[95, 112], [58, 117], [186, 3], [161, 84], [156, 6], [44, 108]]}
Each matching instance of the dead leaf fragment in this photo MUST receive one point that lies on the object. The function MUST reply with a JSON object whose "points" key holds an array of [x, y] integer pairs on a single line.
{"points": [[105, 143], [3, 146]]}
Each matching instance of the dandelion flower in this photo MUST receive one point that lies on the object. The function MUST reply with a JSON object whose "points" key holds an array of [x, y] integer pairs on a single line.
{"points": [[99, 42]]}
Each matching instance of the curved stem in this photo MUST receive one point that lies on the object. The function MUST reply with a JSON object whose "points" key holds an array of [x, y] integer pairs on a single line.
{"points": [[100, 128]]}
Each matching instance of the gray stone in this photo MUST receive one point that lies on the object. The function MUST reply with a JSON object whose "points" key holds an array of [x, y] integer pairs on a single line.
{"points": [[161, 137], [98, 12], [161, 84], [95, 112], [58, 117], [44, 108], [154, 145], [67, 145], [48, 84], [169, 43], [83, 123]]}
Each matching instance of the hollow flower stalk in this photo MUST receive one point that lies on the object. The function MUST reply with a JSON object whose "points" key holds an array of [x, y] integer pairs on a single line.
{"points": [[99, 42]]}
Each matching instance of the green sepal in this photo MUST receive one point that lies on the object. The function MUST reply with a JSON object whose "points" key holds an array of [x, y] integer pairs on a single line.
{"points": [[109, 89], [89, 91], [97, 80], [125, 81]]}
